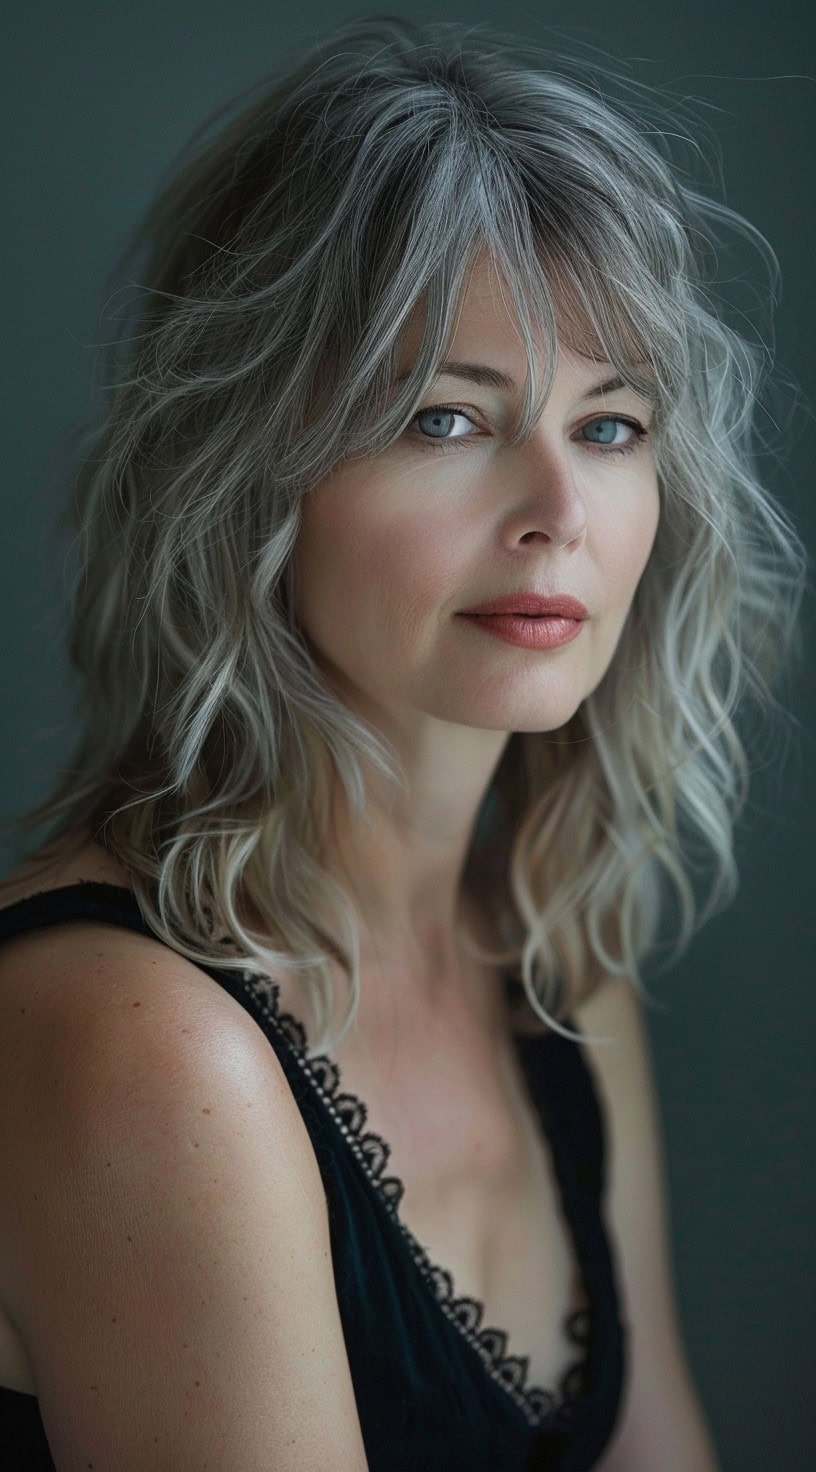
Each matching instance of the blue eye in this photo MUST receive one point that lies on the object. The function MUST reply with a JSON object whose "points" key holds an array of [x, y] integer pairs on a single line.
{"points": [[611, 421], [444, 441]]}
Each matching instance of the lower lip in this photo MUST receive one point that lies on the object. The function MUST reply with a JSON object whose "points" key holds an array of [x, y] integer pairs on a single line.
{"points": [[533, 633]]}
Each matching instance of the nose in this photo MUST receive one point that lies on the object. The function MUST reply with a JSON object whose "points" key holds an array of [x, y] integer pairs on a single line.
{"points": [[553, 508]]}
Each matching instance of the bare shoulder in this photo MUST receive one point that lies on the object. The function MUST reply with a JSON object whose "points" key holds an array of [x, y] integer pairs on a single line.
{"points": [[85, 1000], [99, 984], [93, 1016], [164, 1243]]}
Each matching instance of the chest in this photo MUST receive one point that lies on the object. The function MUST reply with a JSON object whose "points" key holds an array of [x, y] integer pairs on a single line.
{"points": [[480, 1192]]}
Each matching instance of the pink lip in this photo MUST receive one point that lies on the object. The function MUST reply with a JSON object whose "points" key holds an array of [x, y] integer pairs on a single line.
{"points": [[544, 632], [533, 605]]}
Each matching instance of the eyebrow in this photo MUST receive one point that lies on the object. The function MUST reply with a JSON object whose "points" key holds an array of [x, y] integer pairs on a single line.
{"points": [[488, 377]]}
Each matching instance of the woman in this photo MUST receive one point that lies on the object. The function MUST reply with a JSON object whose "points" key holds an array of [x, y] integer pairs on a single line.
{"points": [[422, 327]]}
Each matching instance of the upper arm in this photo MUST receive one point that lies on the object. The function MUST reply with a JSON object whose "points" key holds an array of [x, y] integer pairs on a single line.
{"points": [[662, 1423], [165, 1231]]}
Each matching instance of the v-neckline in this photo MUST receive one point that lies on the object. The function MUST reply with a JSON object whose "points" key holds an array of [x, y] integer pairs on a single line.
{"points": [[541, 1406]]}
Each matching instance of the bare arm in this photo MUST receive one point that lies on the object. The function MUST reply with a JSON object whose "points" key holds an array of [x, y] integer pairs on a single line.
{"points": [[164, 1230], [662, 1426]]}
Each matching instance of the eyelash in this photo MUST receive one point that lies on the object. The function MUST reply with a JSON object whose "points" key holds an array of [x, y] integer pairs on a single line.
{"points": [[459, 441]]}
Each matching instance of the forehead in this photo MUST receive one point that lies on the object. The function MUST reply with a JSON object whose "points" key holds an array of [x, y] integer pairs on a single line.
{"points": [[484, 311], [486, 325]]}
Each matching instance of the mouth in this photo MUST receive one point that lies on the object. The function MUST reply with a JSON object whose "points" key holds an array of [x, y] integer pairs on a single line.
{"points": [[511, 613], [531, 605]]}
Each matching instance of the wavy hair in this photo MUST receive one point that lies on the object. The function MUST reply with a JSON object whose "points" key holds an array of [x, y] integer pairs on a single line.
{"points": [[274, 272]]}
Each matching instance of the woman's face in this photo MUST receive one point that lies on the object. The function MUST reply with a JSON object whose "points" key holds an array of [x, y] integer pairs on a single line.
{"points": [[392, 548]]}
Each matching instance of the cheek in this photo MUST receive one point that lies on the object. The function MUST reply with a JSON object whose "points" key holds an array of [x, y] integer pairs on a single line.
{"points": [[416, 554], [649, 523], [630, 539], [363, 564], [407, 574]]}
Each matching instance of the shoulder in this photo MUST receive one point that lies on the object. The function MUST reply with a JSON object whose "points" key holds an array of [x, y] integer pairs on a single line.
{"points": [[151, 1152], [84, 995], [96, 986], [82, 973], [105, 1030]]}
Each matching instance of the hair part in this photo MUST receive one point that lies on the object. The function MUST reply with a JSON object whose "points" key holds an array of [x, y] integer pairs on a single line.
{"points": [[279, 265]]}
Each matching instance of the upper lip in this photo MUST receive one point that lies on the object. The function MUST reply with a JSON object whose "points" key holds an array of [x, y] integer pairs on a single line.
{"points": [[532, 603]]}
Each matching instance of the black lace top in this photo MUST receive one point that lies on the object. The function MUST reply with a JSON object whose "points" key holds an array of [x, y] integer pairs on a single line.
{"points": [[435, 1386]]}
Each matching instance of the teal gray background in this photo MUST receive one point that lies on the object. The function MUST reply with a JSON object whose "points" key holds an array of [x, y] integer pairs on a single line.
{"points": [[98, 99]]}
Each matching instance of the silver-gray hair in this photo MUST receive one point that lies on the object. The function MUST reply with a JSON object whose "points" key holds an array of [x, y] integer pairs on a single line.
{"points": [[277, 268]]}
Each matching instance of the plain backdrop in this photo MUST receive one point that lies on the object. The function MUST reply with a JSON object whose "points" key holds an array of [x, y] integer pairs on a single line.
{"points": [[99, 98]]}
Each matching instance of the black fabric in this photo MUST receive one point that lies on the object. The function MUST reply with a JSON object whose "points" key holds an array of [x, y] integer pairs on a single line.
{"points": [[435, 1387]]}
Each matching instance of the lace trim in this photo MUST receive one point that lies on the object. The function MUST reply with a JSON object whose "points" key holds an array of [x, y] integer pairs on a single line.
{"points": [[536, 1401], [510, 1371]]}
